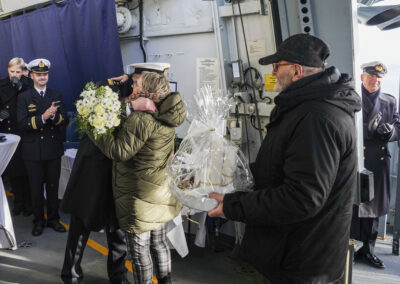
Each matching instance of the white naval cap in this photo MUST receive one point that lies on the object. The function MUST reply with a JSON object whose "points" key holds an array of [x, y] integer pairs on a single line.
{"points": [[39, 65], [377, 68], [151, 66]]}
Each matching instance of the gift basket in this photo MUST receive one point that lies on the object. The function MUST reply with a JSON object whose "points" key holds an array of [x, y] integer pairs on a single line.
{"points": [[205, 161]]}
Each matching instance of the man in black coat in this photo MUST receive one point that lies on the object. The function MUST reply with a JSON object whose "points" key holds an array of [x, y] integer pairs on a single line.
{"points": [[41, 115], [89, 199], [298, 218], [380, 126], [10, 88]]}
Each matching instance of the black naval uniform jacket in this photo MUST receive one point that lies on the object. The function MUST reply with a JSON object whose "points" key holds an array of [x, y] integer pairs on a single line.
{"points": [[41, 141], [89, 191], [8, 101], [298, 218], [376, 153]]}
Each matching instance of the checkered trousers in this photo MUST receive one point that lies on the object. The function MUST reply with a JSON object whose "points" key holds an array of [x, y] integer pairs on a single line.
{"points": [[145, 248]]}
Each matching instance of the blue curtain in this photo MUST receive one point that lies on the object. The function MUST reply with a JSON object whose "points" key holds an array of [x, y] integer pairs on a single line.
{"points": [[79, 37]]}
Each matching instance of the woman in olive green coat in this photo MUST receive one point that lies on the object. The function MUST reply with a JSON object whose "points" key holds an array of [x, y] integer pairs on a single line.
{"points": [[141, 150]]}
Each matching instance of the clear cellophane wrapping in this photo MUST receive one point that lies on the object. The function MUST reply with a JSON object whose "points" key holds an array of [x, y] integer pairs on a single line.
{"points": [[205, 161]]}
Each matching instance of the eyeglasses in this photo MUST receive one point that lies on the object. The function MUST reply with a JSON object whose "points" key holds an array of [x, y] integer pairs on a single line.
{"points": [[275, 66]]}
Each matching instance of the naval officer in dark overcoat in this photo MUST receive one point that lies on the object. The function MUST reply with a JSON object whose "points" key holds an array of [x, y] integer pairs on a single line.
{"points": [[41, 115], [380, 126], [10, 88]]}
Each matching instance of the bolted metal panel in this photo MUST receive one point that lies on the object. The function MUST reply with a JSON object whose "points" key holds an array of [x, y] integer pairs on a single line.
{"points": [[305, 16]]}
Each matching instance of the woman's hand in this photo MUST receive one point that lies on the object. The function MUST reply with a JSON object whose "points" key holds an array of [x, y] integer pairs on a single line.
{"points": [[122, 79], [142, 104]]}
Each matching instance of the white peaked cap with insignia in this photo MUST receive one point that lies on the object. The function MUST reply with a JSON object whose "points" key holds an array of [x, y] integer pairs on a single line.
{"points": [[150, 66], [39, 65], [377, 68]]}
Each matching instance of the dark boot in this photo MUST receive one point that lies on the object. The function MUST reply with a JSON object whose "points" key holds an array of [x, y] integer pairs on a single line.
{"points": [[165, 280]]}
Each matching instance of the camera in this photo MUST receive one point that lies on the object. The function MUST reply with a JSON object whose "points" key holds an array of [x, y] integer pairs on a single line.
{"points": [[16, 83]]}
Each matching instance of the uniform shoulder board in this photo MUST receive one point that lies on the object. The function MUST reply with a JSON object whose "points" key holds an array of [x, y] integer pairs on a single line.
{"points": [[388, 97], [111, 82]]}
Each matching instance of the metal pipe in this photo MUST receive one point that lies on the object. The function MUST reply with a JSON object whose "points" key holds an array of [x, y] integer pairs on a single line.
{"points": [[141, 31]]}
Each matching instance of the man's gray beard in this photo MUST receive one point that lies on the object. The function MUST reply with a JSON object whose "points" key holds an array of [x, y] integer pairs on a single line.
{"points": [[282, 84], [278, 87]]}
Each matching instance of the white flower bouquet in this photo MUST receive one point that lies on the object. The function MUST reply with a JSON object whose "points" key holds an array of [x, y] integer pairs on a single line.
{"points": [[205, 161], [98, 110]]}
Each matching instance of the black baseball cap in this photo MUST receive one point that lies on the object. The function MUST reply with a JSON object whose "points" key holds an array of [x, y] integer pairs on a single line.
{"points": [[303, 49]]}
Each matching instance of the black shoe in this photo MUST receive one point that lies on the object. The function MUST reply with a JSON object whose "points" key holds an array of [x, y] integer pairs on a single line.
{"points": [[165, 280], [27, 212], [57, 227], [37, 229], [371, 259]]}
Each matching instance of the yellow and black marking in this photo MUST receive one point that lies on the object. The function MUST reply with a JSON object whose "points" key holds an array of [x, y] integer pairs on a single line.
{"points": [[95, 245]]}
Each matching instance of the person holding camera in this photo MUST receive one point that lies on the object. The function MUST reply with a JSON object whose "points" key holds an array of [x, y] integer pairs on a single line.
{"points": [[40, 115], [10, 88]]}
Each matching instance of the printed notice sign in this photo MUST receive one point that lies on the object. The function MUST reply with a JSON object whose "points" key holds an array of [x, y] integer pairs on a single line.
{"points": [[207, 70], [257, 48]]}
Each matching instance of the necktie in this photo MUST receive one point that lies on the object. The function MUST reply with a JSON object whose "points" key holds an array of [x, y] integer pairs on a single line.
{"points": [[42, 94]]}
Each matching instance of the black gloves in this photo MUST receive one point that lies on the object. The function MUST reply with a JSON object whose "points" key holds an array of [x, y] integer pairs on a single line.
{"points": [[4, 114], [374, 122], [385, 130]]}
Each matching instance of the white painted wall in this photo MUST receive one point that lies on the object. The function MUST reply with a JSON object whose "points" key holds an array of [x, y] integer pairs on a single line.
{"points": [[15, 5], [181, 51], [180, 31]]}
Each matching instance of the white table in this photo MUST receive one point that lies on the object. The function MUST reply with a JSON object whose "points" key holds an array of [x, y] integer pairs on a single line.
{"points": [[7, 235], [67, 161]]}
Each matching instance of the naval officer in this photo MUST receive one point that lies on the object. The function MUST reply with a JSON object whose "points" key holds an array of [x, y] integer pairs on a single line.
{"points": [[380, 126], [41, 115]]}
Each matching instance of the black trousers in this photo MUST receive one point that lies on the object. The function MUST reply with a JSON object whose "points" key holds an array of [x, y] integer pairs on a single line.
{"points": [[40, 173], [369, 233], [364, 230], [21, 191], [77, 238]]}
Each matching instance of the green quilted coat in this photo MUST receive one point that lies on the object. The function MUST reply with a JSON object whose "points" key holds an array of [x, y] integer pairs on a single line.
{"points": [[141, 150]]}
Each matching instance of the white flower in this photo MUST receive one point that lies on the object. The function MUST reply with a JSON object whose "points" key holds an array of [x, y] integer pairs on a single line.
{"points": [[83, 111], [99, 109], [108, 90], [98, 122], [117, 122]]}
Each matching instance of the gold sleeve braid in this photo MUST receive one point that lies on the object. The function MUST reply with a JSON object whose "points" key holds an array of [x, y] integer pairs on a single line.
{"points": [[33, 121], [60, 120]]}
